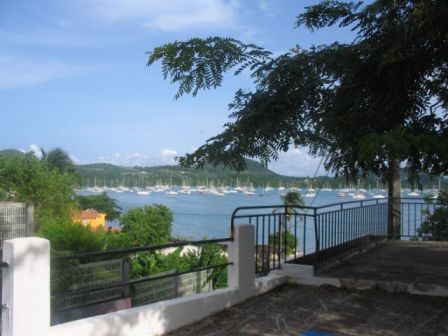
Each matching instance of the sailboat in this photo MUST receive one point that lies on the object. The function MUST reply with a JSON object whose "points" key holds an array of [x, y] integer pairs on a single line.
{"points": [[358, 194], [310, 192]]}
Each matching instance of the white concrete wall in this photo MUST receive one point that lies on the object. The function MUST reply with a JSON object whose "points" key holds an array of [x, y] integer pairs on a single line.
{"points": [[30, 260], [26, 287]]}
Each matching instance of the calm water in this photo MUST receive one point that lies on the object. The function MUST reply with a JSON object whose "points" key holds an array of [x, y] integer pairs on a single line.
{"points": [[197, 216]]}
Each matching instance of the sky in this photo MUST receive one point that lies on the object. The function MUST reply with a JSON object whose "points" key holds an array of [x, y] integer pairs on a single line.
{"points": [[73, 75]]}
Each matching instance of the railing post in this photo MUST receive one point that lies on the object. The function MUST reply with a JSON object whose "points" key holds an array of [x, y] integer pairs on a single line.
{"points": [[316, 231], [241, 274], [26, 287], [125, 277], [29, 228]]}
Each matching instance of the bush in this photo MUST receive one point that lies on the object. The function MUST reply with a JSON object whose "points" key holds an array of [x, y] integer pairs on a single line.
{"points": [[276, 240], [435, 225], [67, 238], [147, 226], [24, 178]]}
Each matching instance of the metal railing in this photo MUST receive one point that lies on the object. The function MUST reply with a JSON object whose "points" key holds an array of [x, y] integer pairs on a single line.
{"points": [[16, 220], [88, 284], [321, 235]]}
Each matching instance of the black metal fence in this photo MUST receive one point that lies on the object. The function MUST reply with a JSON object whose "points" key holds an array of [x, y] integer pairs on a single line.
{"points": [[321, 235], [89, 284]]}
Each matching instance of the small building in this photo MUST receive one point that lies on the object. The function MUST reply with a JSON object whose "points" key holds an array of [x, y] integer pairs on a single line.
{"points": [[90, 217]]}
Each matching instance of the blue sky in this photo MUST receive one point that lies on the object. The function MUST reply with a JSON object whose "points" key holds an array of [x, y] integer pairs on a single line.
{"points": [[73, 75]]}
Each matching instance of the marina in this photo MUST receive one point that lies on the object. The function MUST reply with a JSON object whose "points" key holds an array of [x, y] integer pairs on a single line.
{"points": [[203, 211]]}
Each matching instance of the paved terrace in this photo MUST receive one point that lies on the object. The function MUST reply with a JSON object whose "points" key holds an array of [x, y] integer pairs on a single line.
{"points": [[393, 265], [423, 264], [293, 309]]}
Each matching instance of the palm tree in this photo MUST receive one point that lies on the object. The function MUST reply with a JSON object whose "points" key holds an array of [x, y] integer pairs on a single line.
{"points": [[291, 200], [58, 159]]}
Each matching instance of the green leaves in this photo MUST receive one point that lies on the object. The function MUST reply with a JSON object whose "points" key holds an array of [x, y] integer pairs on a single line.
{"points": [[101, 203], [148, 225], [327, 13], [26, 179], [381, 98], [199, 64]]}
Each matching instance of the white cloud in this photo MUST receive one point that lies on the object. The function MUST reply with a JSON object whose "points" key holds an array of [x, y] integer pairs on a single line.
{"points": [[297, 162], [18, 72], [167, 152], [167, 15], [75, 159], [36, 150]]}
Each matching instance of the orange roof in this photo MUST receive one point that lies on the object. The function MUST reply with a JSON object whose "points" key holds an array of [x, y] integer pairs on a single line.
{"points": [[87, 214]]}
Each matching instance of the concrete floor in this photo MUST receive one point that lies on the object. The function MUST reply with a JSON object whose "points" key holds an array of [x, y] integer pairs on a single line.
{"points": [[418, 262], [296, 310]]}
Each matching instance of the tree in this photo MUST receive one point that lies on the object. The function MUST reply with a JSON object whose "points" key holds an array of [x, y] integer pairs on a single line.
{"points": [[25, 179], [58, 159], [367, 106], [291, 200], [67, 237], [148, 225], [435, 226], [102, 203]]}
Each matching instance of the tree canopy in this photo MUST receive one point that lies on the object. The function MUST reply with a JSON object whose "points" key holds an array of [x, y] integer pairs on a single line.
{"points": [[148, 225], [101, 203], [23, 178], [58, 159], [366, 106]]}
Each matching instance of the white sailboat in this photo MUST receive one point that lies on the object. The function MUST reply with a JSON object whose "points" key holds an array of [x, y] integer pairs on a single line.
{"points": [[359, 195]]}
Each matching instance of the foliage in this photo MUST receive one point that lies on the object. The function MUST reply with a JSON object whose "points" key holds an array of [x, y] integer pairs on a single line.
{"points": [[211, 255], [67, 237], [207, 61], [23, 178], [278, 241], [148, 225], [365, 105], [435, 225], [153, 263], [102, 203], [58, 159], [291, 200]]}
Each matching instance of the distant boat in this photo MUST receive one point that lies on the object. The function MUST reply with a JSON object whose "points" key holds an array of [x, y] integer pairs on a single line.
{"points": [[143, 193], [340, 194], [379, 196], [171, 192], [310, 194], [413, 194], [358, 194]]}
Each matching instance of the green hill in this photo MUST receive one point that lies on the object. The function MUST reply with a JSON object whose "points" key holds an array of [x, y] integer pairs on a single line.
{"points": [[111, 175], [10, 152]]}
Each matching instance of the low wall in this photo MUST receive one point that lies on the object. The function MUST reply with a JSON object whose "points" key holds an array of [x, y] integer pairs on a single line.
{"points": [[28, 313]]}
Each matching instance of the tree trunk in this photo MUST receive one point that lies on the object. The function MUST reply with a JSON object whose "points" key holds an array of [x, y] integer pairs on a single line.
{"points": [[394, 214]]}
